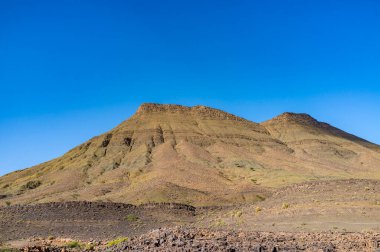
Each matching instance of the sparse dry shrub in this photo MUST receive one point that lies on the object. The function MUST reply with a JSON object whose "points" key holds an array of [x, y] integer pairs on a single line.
{"points": [[75, 196], [73, 244], [117, 241], [31, 185], [285, 205], [131, 217], [238, 214], [261, 198], [220, 223], [89, 247]]}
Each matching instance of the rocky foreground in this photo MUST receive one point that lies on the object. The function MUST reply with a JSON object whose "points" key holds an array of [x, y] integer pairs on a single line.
{"points": [[206, 240], [105, 226], [84, 221], [190, 239]]}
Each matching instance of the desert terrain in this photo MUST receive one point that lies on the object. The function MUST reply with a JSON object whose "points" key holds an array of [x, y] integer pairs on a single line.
{"points": [[183, 178]]}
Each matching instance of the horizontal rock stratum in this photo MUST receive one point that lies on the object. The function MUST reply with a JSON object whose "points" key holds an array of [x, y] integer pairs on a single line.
{"points": [[195, 155]]}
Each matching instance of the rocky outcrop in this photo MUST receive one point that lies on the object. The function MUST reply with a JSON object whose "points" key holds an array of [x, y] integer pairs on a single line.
{"points": [[200, 111], [300, 118]]}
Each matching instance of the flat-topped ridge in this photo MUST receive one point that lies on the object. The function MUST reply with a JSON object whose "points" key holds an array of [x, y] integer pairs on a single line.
{"points": [[156, 107], [199, 110]]}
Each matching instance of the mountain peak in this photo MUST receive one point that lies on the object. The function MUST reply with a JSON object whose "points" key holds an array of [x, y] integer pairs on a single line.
{"points": [[300, 118]]}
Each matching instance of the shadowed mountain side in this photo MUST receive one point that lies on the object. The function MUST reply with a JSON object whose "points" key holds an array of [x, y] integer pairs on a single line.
{"points": [[195, 155]]}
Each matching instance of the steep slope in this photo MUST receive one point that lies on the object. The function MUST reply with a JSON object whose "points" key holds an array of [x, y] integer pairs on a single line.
{"points": [[195, 155]]}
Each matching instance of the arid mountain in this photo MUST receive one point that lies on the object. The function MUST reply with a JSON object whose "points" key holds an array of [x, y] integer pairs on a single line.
{"points": [[195, 155]]}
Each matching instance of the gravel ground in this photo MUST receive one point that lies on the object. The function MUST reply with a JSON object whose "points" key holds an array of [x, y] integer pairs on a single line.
{"points": [[183, 239], [155, 227], [88, 220]]}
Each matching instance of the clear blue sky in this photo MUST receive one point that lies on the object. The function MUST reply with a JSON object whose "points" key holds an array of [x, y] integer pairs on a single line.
{"points": [[70, 70]]}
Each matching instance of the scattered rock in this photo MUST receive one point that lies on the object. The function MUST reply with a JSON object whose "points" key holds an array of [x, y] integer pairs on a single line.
{"points": [[192, 239]]}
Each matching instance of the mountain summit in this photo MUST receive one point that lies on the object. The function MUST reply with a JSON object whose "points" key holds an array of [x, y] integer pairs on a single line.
{"points": [[196, 155], [200, 111]]}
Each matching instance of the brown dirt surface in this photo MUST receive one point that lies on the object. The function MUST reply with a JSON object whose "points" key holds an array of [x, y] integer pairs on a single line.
{"points": [[318, 206], [88, 220]]}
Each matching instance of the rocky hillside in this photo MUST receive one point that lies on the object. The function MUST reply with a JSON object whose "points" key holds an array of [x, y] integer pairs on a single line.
{"points": [[195, 155]]}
